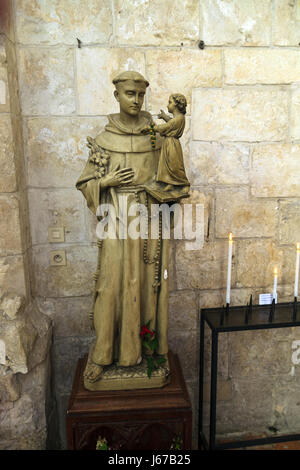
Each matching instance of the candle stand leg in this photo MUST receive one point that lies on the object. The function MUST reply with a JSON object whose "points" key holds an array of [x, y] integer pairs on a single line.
{"points": [[201, 380], [213, 389]]}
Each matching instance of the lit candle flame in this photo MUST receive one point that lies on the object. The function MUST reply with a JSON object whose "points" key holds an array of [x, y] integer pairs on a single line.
{"points": [[230, 237], [275, 271], [298, 246]]}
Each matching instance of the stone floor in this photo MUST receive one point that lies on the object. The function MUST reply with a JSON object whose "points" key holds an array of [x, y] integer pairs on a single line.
{"points": [[289, 445]]}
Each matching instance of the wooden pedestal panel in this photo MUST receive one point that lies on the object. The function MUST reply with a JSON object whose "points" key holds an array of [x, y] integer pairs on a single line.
{"points": [[148, 419]]}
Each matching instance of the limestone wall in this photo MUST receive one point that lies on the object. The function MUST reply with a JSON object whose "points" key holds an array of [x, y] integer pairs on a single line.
{"points": [[25, 333], [241, 147]]}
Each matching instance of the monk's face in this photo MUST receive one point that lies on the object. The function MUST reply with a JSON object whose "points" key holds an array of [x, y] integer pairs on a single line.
{"points": [[130, 95]]}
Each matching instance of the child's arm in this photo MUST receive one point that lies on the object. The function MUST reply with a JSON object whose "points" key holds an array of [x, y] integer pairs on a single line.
{"points": [[164, 116], [163, 129]]}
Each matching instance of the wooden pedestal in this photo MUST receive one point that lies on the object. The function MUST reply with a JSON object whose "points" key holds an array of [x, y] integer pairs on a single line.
{"points": [[148, 419]]}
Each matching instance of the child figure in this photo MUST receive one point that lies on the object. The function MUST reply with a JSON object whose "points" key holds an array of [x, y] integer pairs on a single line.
{"points": [[171, 167]]}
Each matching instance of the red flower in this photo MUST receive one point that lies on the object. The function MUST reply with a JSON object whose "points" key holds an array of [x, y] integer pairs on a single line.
{"points": [[146, 330]]}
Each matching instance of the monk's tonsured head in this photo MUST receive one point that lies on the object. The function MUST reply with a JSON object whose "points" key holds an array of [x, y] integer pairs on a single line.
{"points": [[130, 91], [130, 75]]}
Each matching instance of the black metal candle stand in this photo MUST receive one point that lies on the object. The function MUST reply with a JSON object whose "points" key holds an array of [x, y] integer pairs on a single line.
{"points": [[228, 319]]}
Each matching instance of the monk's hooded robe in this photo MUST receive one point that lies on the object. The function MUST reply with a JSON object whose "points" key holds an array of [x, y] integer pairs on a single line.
{"points": [[129, 292]]}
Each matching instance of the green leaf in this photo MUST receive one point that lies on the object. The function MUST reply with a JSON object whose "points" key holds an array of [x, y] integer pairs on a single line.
{"points": [[150, 361], [102, 444], [161, 360], [154, 344]]}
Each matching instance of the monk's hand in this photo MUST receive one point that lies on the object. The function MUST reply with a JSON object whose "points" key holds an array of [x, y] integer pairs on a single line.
{"points": [[145, 130], [117, 177]]}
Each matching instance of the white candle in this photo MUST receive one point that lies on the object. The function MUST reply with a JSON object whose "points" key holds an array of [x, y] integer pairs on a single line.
{"points": [[275, 283], [297, 270], [229, 269]]}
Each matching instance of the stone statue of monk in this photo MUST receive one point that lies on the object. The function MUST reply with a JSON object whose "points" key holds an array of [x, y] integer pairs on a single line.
{"points": [[132, 274]]}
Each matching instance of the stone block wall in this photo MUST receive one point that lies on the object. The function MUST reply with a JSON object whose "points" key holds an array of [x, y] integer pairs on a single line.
{"points": [[25, 333], [241, 149]]}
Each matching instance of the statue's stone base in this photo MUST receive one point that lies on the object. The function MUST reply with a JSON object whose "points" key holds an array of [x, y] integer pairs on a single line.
{"points": [[115, 377]]}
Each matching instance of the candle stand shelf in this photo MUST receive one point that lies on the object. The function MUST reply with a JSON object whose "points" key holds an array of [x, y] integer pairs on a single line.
{"points": [[221, 320]]}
